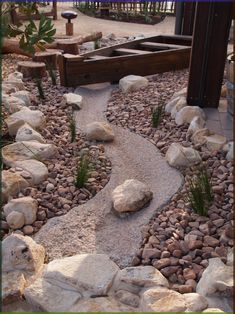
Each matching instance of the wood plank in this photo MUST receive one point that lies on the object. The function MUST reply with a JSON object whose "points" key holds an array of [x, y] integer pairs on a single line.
{"points": [[98, 57], [159, 46], [126, 51]]}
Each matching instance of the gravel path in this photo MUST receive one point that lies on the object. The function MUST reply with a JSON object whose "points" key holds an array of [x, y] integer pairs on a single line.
{"points": [[93, 227]]}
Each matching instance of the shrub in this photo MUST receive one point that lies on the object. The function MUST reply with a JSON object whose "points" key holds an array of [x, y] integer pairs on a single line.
{"points": [[82, 172]]}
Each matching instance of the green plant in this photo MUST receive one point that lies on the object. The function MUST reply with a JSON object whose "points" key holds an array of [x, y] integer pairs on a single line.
{"points": [[82, 172], [200, 193], [157, 114], [51, 73], [97, 44], [40, 88], [72, 128]]}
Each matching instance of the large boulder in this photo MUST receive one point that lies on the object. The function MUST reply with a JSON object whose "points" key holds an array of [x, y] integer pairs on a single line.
{"points": [[24, 205], [24, 96], [196, 124], [195, 302], [13, 284], [37, 169], [180, 157], [21, 253], [12, 104], [33, 117], [89, 274], [12, 184], [27, 150], [131, 196], [132, 83], [181, 92], [99, 131], [186, 114], [74, 100], [27, 133], [17, 83], [181, 103], [133, 279], [199, 136], [8, 88], [162, 300]]}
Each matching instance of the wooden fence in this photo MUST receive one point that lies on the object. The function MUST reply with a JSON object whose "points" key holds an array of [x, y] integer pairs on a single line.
{"points": [[135, 6]]}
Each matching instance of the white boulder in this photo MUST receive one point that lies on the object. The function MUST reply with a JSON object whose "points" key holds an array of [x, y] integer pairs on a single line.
{"points": [[27, 150], [21, 253], [27, 133], [37, 169], [133, 279], [181, 103], [131, 196], [12, 184], [24, 205], [199, 136], [15, 220], [74, 100], [179, 156], [13, 284], [195, 302], [15, 76], [181, 92], [99, 131], [215, 142], [196, 124], [132, 83], [89, 274], [171, 104], [162, 300], [12, 104], [186, 114], [17, 83], [230, 151], [24, 96]]}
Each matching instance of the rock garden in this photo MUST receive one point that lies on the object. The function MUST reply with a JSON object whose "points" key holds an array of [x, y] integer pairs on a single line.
{"points": [[115, 198]]}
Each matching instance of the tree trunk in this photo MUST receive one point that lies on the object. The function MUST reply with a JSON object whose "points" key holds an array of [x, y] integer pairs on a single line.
{"points": [[12, 45]]}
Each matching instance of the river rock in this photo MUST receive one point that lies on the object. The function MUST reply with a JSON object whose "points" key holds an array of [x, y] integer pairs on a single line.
{"points": [[179, 156], [24, 96], [33, 117], [12, 104], [89, 274], [199, 137], [13, 284], [128, 298], [133, 279], [21, 253], [26, 205], [37, 169], [18, 84], [15, 220], [171, 104], [230, 153], [186, 114], [162, 300], [132, 83], [74, 100], [131, 196], [181, 103], [27, 133], [27, 150], [99, 131], [15, 76], [12, 184], [195, 302]]}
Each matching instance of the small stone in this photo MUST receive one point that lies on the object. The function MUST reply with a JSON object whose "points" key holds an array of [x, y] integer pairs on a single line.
{"points": [[211, 241], [28, 230], [132, 83], [185, 289], [151, 253], [164, 262], [99, 131], [189, 274], [179, 156], [50, 187], [74, 100], [15, 220]]}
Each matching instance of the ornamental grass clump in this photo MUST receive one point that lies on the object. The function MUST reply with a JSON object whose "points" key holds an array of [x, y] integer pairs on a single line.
{"points": [[82, 172], [40, 88], [72, 128], [157, 114], [200, 193]]}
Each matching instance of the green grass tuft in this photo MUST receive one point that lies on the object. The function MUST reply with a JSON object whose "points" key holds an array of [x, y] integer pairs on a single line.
{"points": [[82, 172], [40, 88], [157, 115]]}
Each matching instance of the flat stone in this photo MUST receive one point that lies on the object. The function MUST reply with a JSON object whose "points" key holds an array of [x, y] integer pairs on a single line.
{"points": [[47, 297], [24, 96], [27, 150], [131, 196], [26, 205], [133, 279], [213, 310], [12, 184], [15, 220], [99, 131], [101, 304], [12, 104], [215, 142], [128, 298], [186, 115], [162, 300], [27, 133], [79, 273], [195, 302], [179, 156], [37, 169], [132, 83], [35, 118], [74, 100], [21, 253], [13, 284]]}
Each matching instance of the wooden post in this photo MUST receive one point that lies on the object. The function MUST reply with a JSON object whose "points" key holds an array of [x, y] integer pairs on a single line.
{"points": [[54, 5], [188, 18], [209, 50]]}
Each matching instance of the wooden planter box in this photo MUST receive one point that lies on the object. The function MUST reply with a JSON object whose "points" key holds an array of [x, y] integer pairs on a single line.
{"points": [[139, 57]]}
